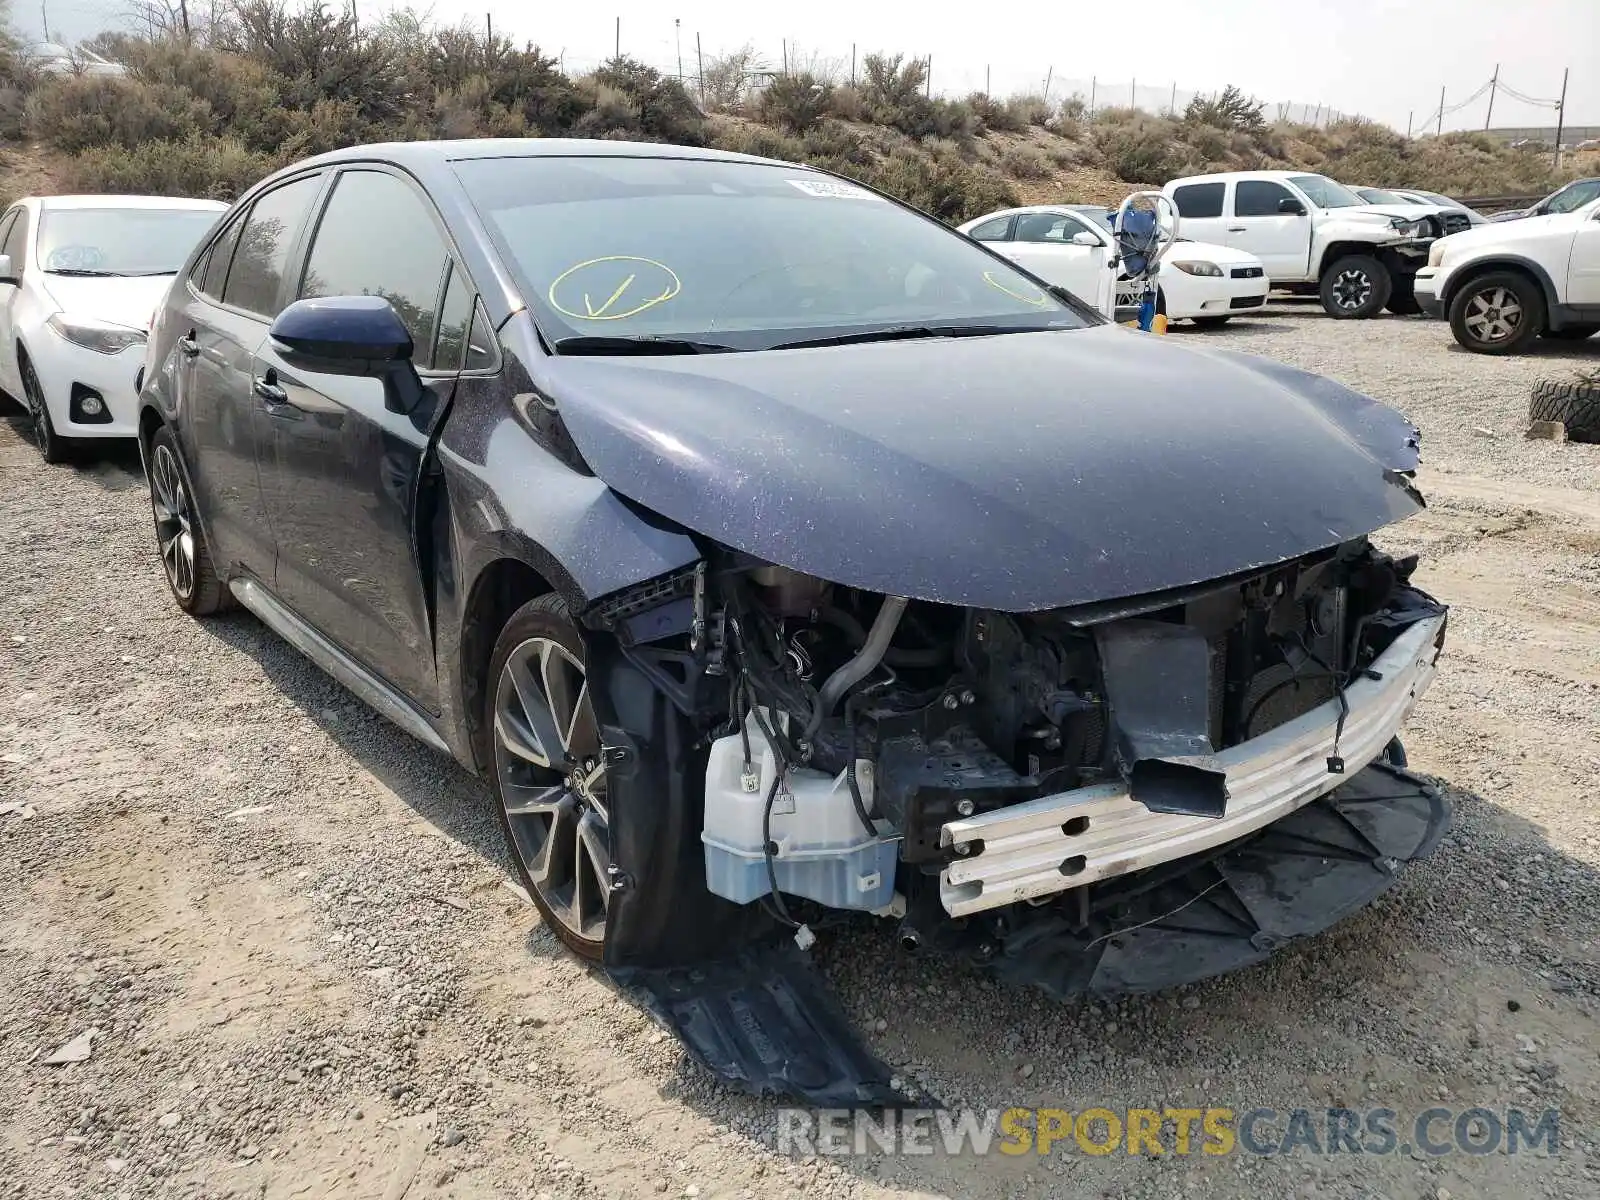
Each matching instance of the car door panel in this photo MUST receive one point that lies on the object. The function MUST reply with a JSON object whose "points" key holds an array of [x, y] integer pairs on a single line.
{"points": [[1041, 242], [1583, 271], [225, 317], [1201, 208], [1282, 241], [342, 474], [10, 297], [342, 467]]}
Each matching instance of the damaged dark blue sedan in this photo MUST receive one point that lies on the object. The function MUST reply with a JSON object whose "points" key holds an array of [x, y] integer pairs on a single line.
{"points": [[779, 555]]}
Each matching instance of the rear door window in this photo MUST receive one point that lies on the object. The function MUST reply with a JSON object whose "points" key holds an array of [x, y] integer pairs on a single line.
{"points": [[1199, 199], [215, 272], [992, 231]]}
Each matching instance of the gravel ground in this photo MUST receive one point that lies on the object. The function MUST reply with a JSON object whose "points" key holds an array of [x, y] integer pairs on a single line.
{"points": [[294, 932]]}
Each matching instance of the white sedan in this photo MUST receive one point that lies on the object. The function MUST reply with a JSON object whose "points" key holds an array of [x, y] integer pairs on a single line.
{"points": [[1072, 246], [80, 277]]}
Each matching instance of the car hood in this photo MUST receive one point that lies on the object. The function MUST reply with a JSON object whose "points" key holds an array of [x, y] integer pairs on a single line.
{"points": [[1526, 229], [1017, 472], [1222, 256], [122, 301]]}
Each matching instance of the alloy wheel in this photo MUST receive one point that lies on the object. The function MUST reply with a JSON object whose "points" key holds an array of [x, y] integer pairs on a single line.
{"points": [[1493, 315], [553, 784], [42, 433], [174, 521], [1352, 289]]}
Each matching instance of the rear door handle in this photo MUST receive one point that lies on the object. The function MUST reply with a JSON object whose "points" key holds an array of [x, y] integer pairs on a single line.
{"points": [[1237, 229], [269, 389]]}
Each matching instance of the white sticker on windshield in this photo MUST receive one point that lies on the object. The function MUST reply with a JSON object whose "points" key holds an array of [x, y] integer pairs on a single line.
{"points": [[832, 189]]}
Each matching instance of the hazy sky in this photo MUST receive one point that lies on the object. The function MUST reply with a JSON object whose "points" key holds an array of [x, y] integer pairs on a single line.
{"points": [[1384, 58]]}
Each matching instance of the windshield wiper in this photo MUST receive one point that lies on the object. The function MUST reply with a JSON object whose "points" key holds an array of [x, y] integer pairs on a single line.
{"points": [[148, 274], [899, 333], [82, 272], [594, 344]]}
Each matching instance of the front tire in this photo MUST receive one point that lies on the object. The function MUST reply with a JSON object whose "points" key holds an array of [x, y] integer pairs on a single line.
{"points": [[1355, 287], [549, 772], [185, 556], [53, 448], [1498, 313]]}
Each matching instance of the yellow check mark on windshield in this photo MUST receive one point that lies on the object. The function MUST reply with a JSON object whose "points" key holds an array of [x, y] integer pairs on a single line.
{"points": [[615, 296]]}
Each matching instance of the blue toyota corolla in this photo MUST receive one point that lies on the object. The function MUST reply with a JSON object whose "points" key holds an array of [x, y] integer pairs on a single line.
{"points": [[781, 557]]}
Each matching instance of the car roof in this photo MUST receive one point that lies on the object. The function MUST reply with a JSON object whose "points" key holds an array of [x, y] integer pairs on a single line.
{"points": [[167, 203], [422, 155], [1219, 176]]}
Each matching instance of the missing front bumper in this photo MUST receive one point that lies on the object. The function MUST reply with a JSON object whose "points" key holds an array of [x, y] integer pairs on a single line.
{"points": [[1048, 845]]}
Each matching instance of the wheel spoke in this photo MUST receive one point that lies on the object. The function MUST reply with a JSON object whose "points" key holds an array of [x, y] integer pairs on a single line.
{"points": [[561, 674], [541, 740], [511, 731], [533, 801], [552, 866]]}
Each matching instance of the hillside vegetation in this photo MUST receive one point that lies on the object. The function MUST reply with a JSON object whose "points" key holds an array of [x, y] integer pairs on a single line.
{"points": [[273, 80]]}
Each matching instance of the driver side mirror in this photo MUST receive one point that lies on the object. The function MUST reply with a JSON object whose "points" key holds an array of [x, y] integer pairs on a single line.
{"points": [[8, 273], [1291, 207], [1083, 238], [351, 335]]}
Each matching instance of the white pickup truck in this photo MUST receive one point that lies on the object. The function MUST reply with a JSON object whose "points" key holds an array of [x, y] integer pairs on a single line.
{"points": [[1316, 236]]}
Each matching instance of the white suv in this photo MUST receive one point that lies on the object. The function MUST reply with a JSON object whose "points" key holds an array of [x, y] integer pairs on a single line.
{"points": [[1315, 236], [1506, 283]]}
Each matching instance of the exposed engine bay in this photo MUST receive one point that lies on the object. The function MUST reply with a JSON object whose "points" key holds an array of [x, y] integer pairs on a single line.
{"points": [[854, 739]]}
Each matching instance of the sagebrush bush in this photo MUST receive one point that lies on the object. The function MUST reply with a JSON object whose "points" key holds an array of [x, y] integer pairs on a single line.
{"points": [[940, 184], [628, 97], [795, 102], [1141, 148], [216, 167], [76, 112], [1028, 110], [1026, 162]]}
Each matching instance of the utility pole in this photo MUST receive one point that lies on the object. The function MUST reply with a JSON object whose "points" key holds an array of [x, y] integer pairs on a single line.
{"points": [[1439, 128], [1093, 81], [928, 67], [618, 51], [852, 64], [1561, 116], [488, 35], [1316, 117], [1048, 76], [985, 79], [1493, 85], [1133, 93], [677, 36], [785, 56], [44, 17], [1172, 107], [700, 59], [1410, 116], [183, 14]]}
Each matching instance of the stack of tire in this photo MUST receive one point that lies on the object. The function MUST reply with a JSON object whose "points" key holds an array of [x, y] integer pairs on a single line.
{"points": [[1573, 402]]}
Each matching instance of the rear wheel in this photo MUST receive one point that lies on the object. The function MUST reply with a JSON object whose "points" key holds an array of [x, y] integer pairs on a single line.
{"points": [[549, 773], [1355, 287], [53, 448], [1498, 313], [185, 556]]}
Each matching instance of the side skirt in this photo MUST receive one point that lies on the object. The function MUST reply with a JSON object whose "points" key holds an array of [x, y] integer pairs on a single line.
{"points": [[371, 690]]}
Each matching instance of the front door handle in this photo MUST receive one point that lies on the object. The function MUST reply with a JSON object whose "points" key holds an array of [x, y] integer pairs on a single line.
{"points": [[269, 389], [1237, 229], [188, 347]]}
